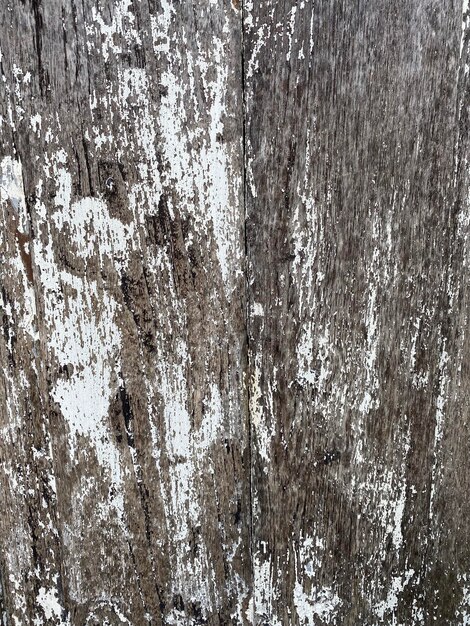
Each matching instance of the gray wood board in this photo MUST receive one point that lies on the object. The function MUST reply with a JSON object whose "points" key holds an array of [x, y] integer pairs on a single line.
{"points": [[357, 231], [124, 421]]}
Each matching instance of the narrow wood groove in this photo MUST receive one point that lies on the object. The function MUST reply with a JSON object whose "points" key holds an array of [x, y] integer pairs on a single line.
{"points": [[247, 296]]}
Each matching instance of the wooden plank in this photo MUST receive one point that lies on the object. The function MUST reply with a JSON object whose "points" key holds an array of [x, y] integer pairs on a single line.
{"points": [[123, 447], [357, 236], [141, 479]]}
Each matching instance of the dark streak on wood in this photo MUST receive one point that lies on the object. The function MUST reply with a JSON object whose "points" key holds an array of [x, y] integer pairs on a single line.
{"points": [[24, 242], [4, 616]]}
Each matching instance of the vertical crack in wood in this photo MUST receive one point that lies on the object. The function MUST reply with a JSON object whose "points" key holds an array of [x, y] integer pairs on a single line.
{"points": [[38, 25], [247, 300], [4, 618]]}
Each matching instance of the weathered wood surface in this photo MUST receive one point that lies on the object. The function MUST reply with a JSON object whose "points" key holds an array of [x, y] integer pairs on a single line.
{"points": [[234, 292], [357, 231], [124, 422]]}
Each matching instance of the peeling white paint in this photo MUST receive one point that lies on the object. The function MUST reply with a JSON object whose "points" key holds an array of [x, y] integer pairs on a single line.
{"points": [[47, 599], [212, 422], [323, 604], [293, 12], [122, 25], [264, 593], [444, 380], [465, 23], [81, 320], [203, 178], [35, 123], [183, 511], [388, 607], [82, 329], [261, 422], [320, 602], [12, 190], [463, 611]]}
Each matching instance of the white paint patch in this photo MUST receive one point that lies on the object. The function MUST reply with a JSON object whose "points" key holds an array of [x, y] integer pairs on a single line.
{"points": [[81, 320], [12, 190], [465, 23], [87, 340], [212, 421], [388, 607], [17, 584], [263, 588], [306, 356], [204, 181], [258, 310], [122, 25], [464, 608], [397, 534], [250, 611], [261, 423], [48, 600], [183, 445], [322, 604], [177, 420], [293, 12], [444, 380], [35, 123], [244, 603], [135, 101], [370, 401]]}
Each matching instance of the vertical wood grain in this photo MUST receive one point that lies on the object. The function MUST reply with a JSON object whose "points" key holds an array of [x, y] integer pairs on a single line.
{"points": [[357, 202], [234, 313], [123, 413]]}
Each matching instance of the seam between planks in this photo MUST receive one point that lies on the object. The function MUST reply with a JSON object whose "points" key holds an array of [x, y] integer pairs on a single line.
{"points": [[247, 303]]}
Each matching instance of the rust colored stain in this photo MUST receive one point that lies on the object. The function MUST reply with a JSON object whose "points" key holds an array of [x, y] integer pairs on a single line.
{"points": [[23, 240]]}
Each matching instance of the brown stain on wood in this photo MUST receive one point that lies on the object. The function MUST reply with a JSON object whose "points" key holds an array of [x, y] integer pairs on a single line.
{"points": [[24, 242]]}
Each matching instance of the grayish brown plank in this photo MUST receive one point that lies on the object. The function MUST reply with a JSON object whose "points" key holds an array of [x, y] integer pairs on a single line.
{"points": [[123, 412], [357, 200], [173, 454]]}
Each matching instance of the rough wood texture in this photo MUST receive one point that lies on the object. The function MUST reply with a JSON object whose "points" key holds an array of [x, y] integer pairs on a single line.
{"points": [[124, 421], [357, 199], [233, 298]]}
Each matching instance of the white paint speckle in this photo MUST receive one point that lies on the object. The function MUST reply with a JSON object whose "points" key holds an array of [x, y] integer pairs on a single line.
{"points": [[47, 599]]}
